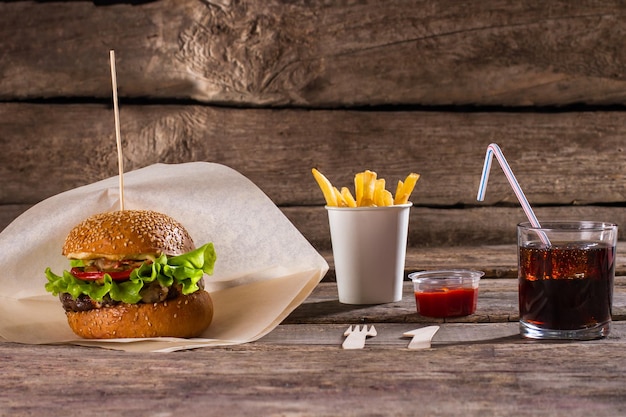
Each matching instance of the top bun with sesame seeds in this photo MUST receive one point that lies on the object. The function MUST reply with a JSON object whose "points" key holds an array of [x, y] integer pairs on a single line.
{"points": [[118, 234], [134, 273]]}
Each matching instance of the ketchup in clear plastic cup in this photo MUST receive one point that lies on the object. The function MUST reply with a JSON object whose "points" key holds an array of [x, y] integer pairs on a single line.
{"points": [[446, 293]]}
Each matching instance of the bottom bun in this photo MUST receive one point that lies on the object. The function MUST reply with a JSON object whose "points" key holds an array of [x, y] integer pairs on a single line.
{"points": [[184, 316]]}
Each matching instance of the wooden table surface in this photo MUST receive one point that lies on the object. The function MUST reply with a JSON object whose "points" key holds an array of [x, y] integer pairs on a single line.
{"points": [[477, 366]]}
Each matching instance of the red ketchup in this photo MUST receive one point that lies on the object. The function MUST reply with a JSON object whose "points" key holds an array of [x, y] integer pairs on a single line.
{"points": [[447, 302]]}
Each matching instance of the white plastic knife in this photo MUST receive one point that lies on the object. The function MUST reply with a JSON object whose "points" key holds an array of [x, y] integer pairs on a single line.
{"points": [[421, 337]]}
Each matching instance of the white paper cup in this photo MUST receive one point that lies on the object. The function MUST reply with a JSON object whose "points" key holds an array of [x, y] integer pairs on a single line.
{"points": [[369, 249]]}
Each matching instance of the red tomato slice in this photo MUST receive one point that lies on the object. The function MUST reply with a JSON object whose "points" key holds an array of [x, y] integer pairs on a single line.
{"points": [[96, 275]]}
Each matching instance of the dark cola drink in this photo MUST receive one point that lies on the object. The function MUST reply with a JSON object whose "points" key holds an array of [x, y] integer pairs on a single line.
{"points": [[567, 287]]}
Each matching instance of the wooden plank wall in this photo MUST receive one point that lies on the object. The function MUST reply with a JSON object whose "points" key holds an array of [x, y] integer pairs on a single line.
{"points": [[274, 88]]}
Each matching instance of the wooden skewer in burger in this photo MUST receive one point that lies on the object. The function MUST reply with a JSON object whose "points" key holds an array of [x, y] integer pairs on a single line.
{"points": [[134, 274]]}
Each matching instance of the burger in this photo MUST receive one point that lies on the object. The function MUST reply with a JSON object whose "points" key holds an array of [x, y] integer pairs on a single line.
{"points": [[134, 274]]}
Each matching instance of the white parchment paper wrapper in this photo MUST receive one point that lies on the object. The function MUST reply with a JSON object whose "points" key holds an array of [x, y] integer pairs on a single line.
{"points": [[265, 268]]}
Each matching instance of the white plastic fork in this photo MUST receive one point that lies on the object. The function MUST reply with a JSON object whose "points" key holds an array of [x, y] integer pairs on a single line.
{"points": [[356, 337]]}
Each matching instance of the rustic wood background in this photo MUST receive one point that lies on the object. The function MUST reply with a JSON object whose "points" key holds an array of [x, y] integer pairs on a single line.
{"points": [[274, 88]]}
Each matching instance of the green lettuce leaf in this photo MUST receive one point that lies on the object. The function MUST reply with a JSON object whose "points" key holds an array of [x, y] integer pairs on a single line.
{"points": [[186, 269]]}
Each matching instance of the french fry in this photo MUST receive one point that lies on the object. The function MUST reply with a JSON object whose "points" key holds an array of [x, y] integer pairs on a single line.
{"points": [[379, 192], [365, 185], [326, 187], [402, 197], [340, 201], [358, 187], [398, 191], [347, 197], [387, 198]]}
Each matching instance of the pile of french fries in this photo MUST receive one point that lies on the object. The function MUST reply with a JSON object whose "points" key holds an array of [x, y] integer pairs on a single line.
{"points": [[369, 191]]}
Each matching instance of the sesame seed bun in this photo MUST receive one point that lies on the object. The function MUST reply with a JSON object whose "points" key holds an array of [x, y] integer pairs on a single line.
{"points": [[121, 234], [136, 235], [185, 316]]}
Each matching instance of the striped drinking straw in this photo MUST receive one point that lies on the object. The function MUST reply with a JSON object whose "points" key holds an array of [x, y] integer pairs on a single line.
{"points": [[494, 149]]}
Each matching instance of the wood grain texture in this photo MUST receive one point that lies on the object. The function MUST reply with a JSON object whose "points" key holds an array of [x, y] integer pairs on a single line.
{"points": [[319, 54], [577, 174], [563, 158], [431, 228], [442, 231], [495, 376], [247, 58], [454, 227]]}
